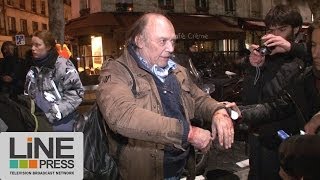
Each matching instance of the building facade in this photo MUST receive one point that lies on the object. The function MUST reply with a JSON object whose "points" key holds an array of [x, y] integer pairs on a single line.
{"points": [[98, 27], [24, 17]]}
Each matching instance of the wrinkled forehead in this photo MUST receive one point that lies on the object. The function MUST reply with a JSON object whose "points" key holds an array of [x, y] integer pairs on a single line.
{"points": [[160, 27]]}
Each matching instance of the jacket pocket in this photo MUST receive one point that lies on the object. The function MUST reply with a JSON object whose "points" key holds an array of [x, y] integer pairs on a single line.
{"points": [[143, 96], [187, 101], [138, 161]]}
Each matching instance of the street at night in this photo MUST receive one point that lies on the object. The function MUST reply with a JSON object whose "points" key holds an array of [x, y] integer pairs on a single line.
{"points": [[160, 89]]}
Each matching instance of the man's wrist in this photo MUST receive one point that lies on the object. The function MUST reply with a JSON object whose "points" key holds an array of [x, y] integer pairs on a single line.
{"points": [[219, 111], [190, 134]]}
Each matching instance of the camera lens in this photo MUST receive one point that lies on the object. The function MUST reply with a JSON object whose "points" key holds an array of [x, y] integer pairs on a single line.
{"points": [[264, 50]]}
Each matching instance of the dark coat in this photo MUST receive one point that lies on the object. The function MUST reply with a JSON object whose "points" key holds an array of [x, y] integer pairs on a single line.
{"points": [[283, 97]]}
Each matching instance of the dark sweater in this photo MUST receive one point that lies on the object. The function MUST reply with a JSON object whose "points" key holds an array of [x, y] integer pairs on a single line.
{"points": [[169, 91]]}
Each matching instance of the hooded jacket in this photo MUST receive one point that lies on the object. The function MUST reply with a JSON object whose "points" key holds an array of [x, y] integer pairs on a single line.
{"points": [[58, 81]]}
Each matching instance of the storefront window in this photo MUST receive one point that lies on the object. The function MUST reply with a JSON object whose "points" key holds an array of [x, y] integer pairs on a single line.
{"points": [[97, 53], [90, 55], [223, 45], [210, 48], [85, 57]]}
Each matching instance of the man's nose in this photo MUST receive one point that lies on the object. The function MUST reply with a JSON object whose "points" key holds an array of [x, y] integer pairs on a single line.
{"points": [[170, 46]]}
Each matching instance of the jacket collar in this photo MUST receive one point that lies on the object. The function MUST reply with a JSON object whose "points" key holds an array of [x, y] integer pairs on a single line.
{"points": [[49, 61], [127, 59]]}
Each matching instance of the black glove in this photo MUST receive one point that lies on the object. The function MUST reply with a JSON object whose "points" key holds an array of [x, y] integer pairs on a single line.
{"points": [[42, 103]]}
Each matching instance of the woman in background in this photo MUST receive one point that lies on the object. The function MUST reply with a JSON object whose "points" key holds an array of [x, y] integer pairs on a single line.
{"points": [[53, 83]]}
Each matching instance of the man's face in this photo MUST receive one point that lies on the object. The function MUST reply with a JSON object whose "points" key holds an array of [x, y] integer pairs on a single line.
{"points": [[158, 41], [285, 31], [315, 48]]}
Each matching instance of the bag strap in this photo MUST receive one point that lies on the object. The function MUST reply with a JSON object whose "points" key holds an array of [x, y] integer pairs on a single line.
{"points": [[301, 119], [32, 111], [134, 87]]}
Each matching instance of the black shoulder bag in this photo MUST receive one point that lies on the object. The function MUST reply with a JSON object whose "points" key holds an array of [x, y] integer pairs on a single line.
{"points": [[98, 164]]}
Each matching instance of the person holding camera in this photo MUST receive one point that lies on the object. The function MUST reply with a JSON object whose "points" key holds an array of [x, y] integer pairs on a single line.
{"points": [[274, 92]]}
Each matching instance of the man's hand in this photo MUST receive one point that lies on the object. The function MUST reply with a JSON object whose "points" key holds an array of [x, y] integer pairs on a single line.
{"points": [[200, 138], [280, 44], [312, 126], [42, 103], [255, 58], [234, 107], [223, 126]]}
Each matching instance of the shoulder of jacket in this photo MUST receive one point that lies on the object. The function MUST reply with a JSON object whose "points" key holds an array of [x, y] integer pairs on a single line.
{"points": [[63, 66], [298, 60], [110, 64], [113, 67], [61, 59], [106, 62], [296, 64], [308, 71], [180, 69]]}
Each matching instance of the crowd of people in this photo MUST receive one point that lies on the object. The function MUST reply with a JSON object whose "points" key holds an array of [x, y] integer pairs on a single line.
{"points": [[150, 131], [278, 94], [46, 78], [299, 155]]}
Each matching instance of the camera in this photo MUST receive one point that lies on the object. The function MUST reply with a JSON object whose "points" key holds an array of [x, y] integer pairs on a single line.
{"points": [[265, 50]]}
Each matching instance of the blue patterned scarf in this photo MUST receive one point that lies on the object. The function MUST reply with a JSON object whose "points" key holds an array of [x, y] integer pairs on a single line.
{"points": [[159, 72]]}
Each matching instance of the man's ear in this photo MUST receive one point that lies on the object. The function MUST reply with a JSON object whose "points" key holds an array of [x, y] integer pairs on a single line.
{"points": [[139, 40]]}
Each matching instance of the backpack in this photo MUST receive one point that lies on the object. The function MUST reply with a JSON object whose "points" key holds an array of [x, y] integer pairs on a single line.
{"points": [[20, 116], [98, 164]]}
